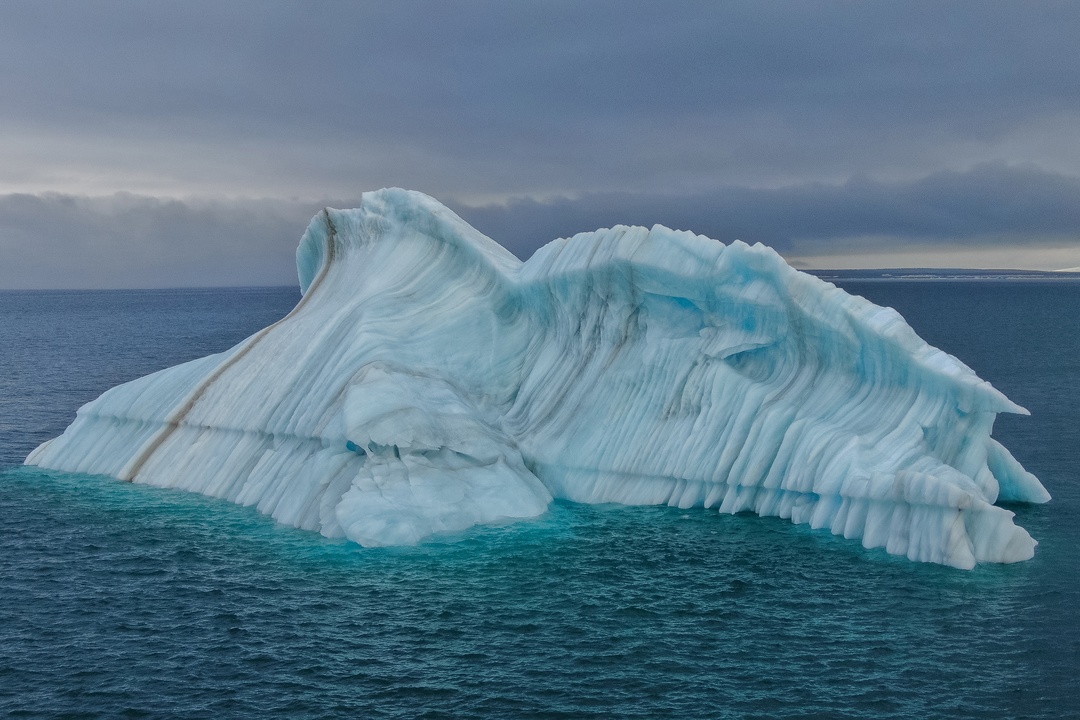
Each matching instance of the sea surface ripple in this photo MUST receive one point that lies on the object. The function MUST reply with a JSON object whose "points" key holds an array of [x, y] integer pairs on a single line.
{"points": [[125, 600]]}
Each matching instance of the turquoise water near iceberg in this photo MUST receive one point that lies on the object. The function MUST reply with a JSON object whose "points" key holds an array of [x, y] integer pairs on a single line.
{"points": [[119, 599]]}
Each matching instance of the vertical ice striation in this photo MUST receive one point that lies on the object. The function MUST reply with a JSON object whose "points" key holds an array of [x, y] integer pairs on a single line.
{"points": [[429, 381]]}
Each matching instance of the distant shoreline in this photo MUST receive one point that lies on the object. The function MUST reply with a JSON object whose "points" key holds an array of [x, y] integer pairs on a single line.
{"points": [[940, 274], [876, 275]]}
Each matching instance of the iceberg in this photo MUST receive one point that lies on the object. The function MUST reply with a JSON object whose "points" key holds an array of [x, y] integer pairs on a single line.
{"points": [[429, 381]]}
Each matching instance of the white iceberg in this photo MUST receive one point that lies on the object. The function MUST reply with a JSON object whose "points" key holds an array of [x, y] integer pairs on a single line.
{"points": [[429, 381]]}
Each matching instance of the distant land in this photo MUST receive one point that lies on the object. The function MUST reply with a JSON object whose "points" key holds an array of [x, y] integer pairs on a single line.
{"points": [[1071, 274]]}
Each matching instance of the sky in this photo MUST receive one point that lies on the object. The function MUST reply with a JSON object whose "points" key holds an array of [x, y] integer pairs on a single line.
{"points": [[166, 144]]}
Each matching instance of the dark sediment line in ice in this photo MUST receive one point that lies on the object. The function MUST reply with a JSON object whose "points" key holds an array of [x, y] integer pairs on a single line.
{"points": [[132, 471]]}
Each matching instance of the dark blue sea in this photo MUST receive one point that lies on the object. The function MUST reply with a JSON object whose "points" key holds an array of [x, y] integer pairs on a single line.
{"points": [[120, 600]]}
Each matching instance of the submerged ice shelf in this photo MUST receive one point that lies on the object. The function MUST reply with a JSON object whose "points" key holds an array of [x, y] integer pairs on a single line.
{"points": [[429, 381]]}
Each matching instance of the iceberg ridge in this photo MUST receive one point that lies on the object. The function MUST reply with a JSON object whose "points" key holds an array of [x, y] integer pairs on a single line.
{"points": [[429, 381]]}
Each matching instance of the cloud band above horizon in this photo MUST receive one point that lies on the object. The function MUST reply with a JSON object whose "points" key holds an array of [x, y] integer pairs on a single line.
{"points": [[836, 130], [991, 216]]}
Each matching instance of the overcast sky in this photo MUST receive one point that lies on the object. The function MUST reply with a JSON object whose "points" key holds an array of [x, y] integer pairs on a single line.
{"points": [[150, 144]]}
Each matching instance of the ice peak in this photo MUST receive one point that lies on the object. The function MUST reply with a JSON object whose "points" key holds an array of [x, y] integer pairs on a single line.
{"points": [[392, 216]]}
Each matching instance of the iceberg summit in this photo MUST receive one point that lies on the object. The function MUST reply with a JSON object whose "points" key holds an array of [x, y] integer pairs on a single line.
{"points": [[429, 381]]}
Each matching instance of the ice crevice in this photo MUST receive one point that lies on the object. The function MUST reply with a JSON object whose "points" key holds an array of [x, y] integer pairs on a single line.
{"points": [[429, 381]]}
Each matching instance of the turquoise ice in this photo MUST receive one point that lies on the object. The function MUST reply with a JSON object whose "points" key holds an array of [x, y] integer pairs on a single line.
{"points": [[429, 381]]}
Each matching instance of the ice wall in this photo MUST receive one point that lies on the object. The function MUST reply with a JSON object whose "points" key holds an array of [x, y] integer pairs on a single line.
{"points": [[429, 381]]}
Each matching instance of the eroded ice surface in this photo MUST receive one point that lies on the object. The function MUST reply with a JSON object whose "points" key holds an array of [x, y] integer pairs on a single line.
{"points": [[429, 381]]}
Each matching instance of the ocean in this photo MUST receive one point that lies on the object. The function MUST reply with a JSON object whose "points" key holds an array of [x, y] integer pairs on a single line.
{"points": [[121, 600]]}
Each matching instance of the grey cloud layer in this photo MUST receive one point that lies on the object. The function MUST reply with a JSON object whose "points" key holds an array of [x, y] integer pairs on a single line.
{"points": [[63, 241], [989, 204], [493, 98], [798, 124], [133, 241]]}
